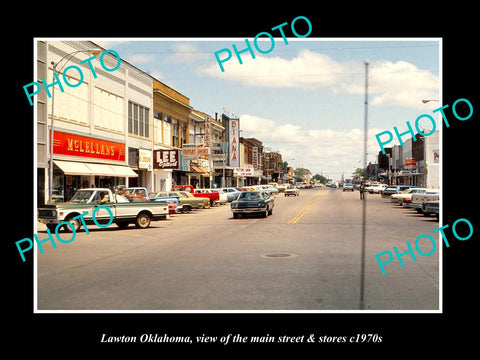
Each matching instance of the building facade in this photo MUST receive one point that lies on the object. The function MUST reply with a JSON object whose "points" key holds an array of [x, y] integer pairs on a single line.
{"points": [[102, 126]]}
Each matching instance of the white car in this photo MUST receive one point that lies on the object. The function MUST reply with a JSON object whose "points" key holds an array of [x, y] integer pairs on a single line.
{"points": [[375, 188], [292, 190], [417, 200], [270, 189], [407, 194]]}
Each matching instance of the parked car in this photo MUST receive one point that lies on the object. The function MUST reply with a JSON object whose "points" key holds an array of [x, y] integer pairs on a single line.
{"points": [[135, 193], [232, 193], [213, 197], [431, 208], [375, 188], [417, 200], [253, 202], [222, 195], [292, 190], [270, 189], [407, 194], [122, 212], [173, 202], [348, 187], [395, 189], [189, 202]]}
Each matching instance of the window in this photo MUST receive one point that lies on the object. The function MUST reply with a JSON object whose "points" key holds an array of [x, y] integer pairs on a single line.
{"points": [[138, 120], [184, 133], [175, 133]]}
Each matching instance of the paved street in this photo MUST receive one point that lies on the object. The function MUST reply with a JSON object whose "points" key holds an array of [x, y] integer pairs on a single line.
{"points": [[206, 260]]}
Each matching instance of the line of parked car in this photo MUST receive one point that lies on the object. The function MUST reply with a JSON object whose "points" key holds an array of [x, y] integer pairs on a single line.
{"points": [[185, 198], [423, 200]]}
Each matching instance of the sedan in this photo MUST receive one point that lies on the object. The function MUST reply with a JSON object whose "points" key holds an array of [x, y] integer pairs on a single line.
{"points": [[292, 190], [253, 202]]}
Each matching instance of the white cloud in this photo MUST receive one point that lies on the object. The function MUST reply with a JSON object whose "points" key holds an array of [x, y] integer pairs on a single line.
{"points": [[400, 83], [186, 53], [321, 150], [140, 58]]}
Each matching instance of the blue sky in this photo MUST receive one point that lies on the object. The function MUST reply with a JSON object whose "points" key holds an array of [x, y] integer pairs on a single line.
{"points": [[305, 98]]}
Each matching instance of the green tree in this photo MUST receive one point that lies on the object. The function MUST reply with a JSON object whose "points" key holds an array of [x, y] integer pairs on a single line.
{"points": [[320, 178], [359, 172], [301, 172]]}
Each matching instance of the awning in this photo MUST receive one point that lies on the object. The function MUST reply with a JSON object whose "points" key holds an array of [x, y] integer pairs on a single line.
{"points": [[200, 170], [81, 168]]}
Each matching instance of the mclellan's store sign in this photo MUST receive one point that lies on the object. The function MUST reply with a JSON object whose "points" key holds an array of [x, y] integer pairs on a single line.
{"points": [[76, 145]]}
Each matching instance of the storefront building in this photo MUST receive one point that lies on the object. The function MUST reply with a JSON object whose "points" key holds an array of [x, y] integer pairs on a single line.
{"points": [[171, 131], [83, 162], [96, 122]]}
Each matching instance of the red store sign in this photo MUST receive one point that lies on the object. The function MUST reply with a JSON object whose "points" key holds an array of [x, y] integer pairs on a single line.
{"points": [[76, 145]]}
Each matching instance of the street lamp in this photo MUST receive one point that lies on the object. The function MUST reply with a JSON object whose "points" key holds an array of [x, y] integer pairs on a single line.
{"points": [[69, 56], [427, 100]]}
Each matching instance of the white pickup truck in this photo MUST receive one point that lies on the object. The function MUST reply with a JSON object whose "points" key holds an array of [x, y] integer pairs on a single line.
{"points": [[418, 199], [87, 200]]}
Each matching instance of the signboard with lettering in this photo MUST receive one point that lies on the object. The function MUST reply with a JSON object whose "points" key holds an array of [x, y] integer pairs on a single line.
{"points": [[165, 159], [145, 159], [234, 143], [76, 145], [255, 157], [243, 171]]}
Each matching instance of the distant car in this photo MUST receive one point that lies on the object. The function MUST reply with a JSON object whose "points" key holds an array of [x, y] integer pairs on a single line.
{"points": [[253, 202], [292, 190], [348, 187], [375, 188]]}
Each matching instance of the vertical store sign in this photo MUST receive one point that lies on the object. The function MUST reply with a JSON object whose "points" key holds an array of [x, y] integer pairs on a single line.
{"points": [[208, 132], [255, 157], [233, 138]]}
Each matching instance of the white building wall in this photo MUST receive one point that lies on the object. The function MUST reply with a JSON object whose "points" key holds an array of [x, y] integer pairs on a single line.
{"points": [[98, 107], [432, 160]]}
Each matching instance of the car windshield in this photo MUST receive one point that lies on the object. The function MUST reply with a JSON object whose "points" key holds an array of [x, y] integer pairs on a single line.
{"points": [[81, 196], [250, 196]]}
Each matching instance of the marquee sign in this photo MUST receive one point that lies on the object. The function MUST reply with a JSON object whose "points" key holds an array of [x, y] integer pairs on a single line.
{"points": [[76, 145]]}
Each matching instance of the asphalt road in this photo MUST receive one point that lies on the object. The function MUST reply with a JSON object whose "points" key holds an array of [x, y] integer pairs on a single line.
{"points": [[306, 256]]}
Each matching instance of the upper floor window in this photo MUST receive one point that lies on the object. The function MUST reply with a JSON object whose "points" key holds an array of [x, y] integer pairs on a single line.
{"points": [[138, 119]]}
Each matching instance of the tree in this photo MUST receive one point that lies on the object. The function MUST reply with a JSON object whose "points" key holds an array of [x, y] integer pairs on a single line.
{"points": [[358, 173], [301, 172], [320, 178]]}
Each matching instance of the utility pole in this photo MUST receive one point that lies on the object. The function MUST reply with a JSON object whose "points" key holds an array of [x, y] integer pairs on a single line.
{"points": [[364, 202]]}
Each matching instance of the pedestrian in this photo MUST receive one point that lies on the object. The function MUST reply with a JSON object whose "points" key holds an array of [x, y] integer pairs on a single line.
{"points": [[362, 191]]}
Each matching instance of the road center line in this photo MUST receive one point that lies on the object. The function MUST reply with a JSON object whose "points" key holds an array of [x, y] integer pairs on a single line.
{"points": [[304, 210]]}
